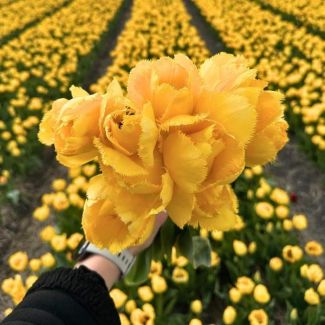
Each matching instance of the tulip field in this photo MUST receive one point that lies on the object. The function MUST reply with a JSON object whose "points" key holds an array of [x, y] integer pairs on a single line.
{"points": [[244, 240]]}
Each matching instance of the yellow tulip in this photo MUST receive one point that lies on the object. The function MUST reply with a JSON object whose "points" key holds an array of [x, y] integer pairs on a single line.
{"points": [[18, 261], [311, 297], [229, 315]]}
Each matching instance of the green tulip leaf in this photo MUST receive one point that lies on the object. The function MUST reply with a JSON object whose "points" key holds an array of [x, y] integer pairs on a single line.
{"points": [[140, 270], [201, 252], [184, 244]]}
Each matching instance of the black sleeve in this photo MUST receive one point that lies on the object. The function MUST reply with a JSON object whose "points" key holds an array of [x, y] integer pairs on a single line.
{"points": [[66, 296]]}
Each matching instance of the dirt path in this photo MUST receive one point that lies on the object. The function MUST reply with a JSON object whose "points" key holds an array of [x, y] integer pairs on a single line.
{"points": [[297, 174], [293, 170], [104, 59], [19, 231]]}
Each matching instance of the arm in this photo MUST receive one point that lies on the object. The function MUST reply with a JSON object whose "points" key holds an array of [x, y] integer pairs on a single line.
{"points": [[75, 296]]}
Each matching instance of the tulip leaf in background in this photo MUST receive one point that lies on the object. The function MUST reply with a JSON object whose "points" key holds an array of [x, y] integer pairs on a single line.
{"points": [[201, 252], [14, 196], [184, 244], [175, 319], [140, 269], [167, 238]]}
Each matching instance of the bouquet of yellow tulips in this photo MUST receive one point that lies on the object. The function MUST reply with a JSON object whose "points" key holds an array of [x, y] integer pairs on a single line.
{"points": [[174, 141]]}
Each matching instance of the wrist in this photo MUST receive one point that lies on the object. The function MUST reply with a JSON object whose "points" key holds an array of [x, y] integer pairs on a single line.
{"points": [[104, 267]]}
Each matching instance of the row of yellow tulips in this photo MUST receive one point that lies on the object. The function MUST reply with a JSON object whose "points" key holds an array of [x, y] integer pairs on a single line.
{"points": [[40, 65], [287, 56], [307, 12], [15, 16], [150, 34]]}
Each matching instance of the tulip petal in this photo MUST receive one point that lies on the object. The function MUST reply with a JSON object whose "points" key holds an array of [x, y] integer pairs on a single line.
{"points": [[233, 112], [269, 109], [148, 136], [97, 188], [215, 208], [182, 104], [131, 207], [184, 162], [225, 72], [122, 164], [48, 123], [180, 207], [104, 228], [228, 164], [185, 123], [77, 160], [166, 194], [170, 72], [194, 76], [78, 92], [266, 144], [142, 80]]}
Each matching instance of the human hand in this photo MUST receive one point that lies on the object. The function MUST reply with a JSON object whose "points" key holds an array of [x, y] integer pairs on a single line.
{"points": [[110, 271], [160, 219]]}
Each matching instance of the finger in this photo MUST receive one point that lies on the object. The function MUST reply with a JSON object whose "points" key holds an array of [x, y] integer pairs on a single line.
{"points": [[160, 219]]}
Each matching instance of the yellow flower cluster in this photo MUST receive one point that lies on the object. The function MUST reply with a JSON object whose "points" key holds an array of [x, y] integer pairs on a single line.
{"points": [[245, 286], [15, 286], [175, 142], [17, 15], [308, 12], [155, 29], [141, 308], [285, 55], [39, 65]]}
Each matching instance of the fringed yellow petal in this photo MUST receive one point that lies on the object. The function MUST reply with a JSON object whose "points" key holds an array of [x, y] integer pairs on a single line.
{"points": [[120, 163], [78, 92], [185, 123], [233, 112], [277, 131], [266, 144], [269, 109], [104, 228], [166, 194], [184, 162], [48, 123], [228, 164], [148, 137], [252, 94], [77, 160], [260, 151], [114, 89], [142, 80], [163, 95], [224, 220], [204, 135], [144, 227], [180, 207], [74, 145], [215, 208], [97, 188], [170, 72], [194, 80], [225, 72], [46, 131], [182, 104], [167, 189], [123, 131], [146, 184], [130, 206]]}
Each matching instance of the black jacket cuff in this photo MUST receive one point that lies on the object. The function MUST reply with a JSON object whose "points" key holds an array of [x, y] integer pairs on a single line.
{"points": [[85, 286]]}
